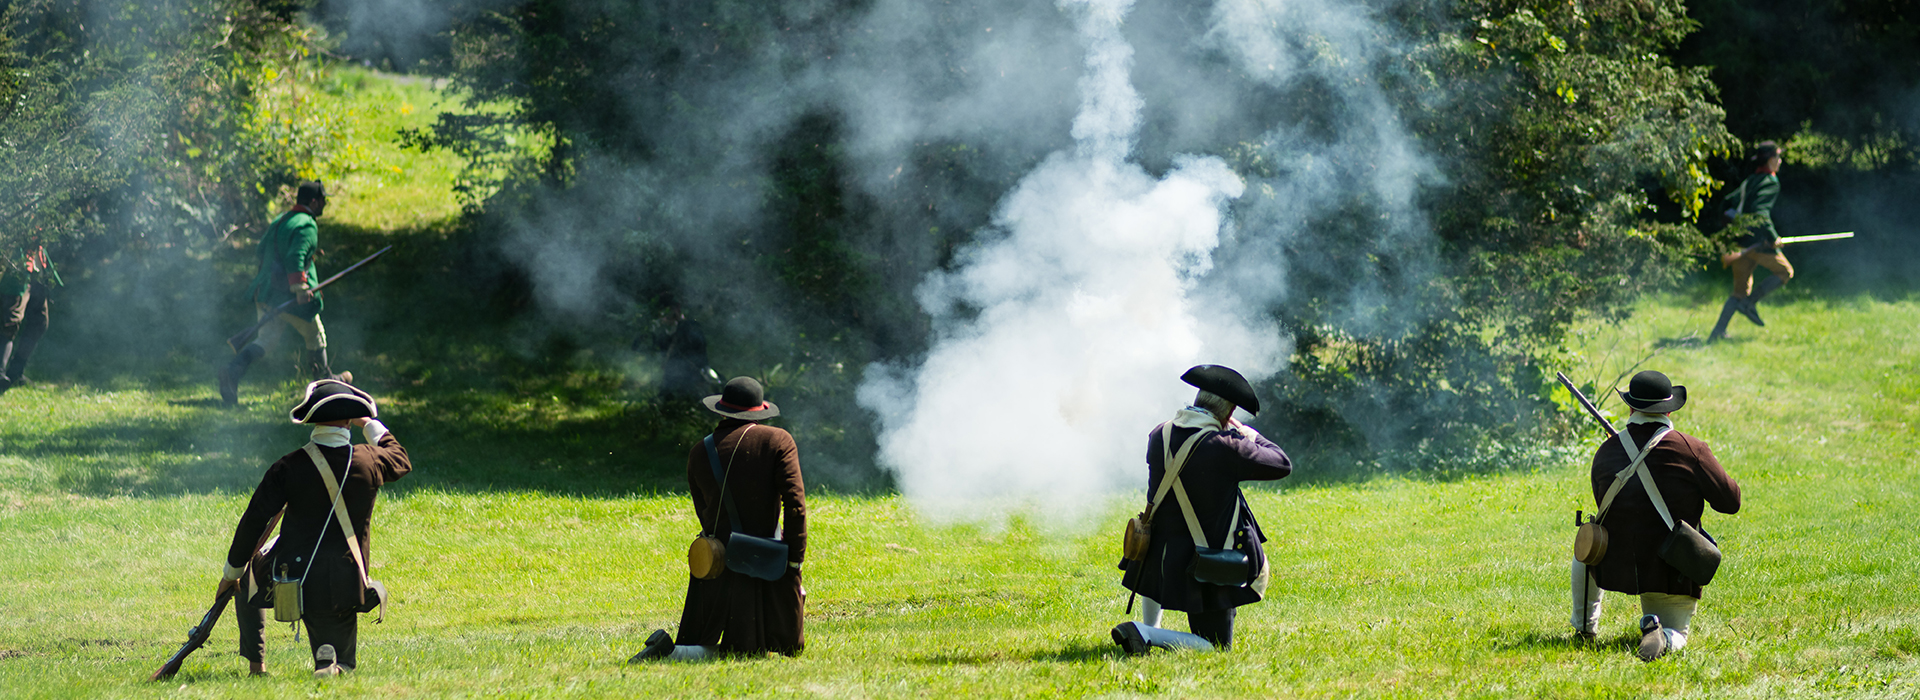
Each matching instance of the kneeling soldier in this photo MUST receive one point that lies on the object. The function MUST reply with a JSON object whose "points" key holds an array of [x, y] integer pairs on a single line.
{"points": [[1208, 454], [747, 490], [327, 489], [1686, 478]]}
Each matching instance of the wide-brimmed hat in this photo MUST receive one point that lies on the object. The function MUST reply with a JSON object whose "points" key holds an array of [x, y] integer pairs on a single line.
{"points": [[330, 400], [1224, 383], [1653, 392], [742, 398]]}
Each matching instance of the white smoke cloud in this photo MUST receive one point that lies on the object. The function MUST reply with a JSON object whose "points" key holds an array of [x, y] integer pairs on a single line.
{"points": [[1070, 329]]}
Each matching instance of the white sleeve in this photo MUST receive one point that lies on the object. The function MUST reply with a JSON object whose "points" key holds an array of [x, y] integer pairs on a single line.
{"points": [[230, 572], [374, 430]]}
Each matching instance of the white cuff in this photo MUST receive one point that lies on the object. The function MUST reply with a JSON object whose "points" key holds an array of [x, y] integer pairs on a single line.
{"points": [[374, 430], [231, 572]]}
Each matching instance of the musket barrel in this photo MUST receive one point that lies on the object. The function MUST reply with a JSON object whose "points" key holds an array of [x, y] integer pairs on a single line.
{"points": [[1584, 403]]}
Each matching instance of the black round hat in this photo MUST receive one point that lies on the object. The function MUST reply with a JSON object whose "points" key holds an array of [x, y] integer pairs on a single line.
{"points": [[1225, 383], [742, 398], [309, 191], [1653, 392], [330, 400]]}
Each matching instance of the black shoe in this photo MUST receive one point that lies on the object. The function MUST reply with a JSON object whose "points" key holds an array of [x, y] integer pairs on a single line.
{"points": [[1127, 635], [1653, 640], [5, 384], [1746, 308], [659, 645]]}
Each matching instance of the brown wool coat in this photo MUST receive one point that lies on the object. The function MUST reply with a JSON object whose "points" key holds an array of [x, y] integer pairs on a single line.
{"points": [[294, 484], [739, 613], [1689, 478]]}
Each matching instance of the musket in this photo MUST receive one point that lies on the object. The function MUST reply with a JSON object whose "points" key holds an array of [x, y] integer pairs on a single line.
{"points": [[1584, 403], [1809, 239], [197, 637], [240, 340], [1728, 259]]}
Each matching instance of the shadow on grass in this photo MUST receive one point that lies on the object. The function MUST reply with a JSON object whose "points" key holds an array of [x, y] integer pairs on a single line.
{"points": [[1075, 652], [1542, 641]]}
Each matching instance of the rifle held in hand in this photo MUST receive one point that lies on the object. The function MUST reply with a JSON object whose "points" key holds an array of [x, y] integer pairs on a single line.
{"points": [[240, 340]]}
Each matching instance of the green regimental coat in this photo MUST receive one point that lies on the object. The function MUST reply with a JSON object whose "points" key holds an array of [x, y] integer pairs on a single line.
{"points": [[1756, 196], [288, 248]]}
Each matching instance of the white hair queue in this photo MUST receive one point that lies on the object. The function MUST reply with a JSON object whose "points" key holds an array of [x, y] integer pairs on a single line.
{"points": [[1219, 407]]}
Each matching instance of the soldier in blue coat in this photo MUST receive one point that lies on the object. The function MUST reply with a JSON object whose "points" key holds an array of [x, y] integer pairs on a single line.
{"points": [[1202, 518]]}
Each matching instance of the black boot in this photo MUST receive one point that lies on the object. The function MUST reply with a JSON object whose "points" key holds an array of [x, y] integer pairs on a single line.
{"points": [[6, 351], [1726, 316], [234, 369], [1760, 291], [16, 364], [319, 368]]}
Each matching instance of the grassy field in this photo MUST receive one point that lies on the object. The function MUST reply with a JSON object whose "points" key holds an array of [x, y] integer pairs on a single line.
{"points": [[116, 502]]}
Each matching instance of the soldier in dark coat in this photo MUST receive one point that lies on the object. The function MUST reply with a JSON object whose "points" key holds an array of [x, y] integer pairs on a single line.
{"points": [[1689, 479], [737, 613], [684, 371], [26, 285], [1224, 453], [1755, 195], [312, 545]]}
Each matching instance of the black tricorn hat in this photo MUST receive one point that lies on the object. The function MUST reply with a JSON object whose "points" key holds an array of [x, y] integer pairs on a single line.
{"points": [[1224, 383], [742, 398], [1653, 392], [330, 400]]}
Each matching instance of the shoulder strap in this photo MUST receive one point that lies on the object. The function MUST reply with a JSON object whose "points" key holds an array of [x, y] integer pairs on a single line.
{"points": [[1173, 462], [340, 514], [1193, 520], [1639, 456], [713, 459]]}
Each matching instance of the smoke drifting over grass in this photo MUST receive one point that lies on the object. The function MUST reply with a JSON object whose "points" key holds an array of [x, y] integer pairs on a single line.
{"points": [[1068, 329]]}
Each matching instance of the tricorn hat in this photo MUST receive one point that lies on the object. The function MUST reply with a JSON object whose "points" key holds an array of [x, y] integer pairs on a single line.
{"points": [[330, 400], [742, 398], [1224, 383], [1653, 392]]}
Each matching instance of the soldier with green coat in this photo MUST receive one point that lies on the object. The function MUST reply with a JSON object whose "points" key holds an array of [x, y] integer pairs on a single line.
{"points": [[287, 253], [26, 283], [1755, 195]]}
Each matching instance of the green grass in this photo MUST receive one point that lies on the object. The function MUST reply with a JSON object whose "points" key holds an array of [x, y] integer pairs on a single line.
{"points": [[518, 580]]}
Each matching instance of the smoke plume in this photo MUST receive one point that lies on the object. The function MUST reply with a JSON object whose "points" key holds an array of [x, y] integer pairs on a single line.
{"points": [[1066, 328]]}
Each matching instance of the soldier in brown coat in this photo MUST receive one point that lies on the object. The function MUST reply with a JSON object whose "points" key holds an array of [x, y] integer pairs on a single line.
{"points": [[312, 545], [1689, 479], [737, 613]]}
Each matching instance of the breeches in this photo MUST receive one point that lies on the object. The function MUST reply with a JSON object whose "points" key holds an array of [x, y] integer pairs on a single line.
{"points": [[1215, 626], [342, 631], [311, 330], [1744, 264], [1675, 611]]}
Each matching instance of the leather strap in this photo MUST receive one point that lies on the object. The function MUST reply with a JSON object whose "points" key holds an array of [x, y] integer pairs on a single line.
{"points": [[713, 460], [1193, 520], [1639, 456], [1173, 462], [340, 514]]}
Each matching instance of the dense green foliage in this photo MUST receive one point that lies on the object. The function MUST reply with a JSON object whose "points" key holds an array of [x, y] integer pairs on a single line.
{"points": [[135, 124]]}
